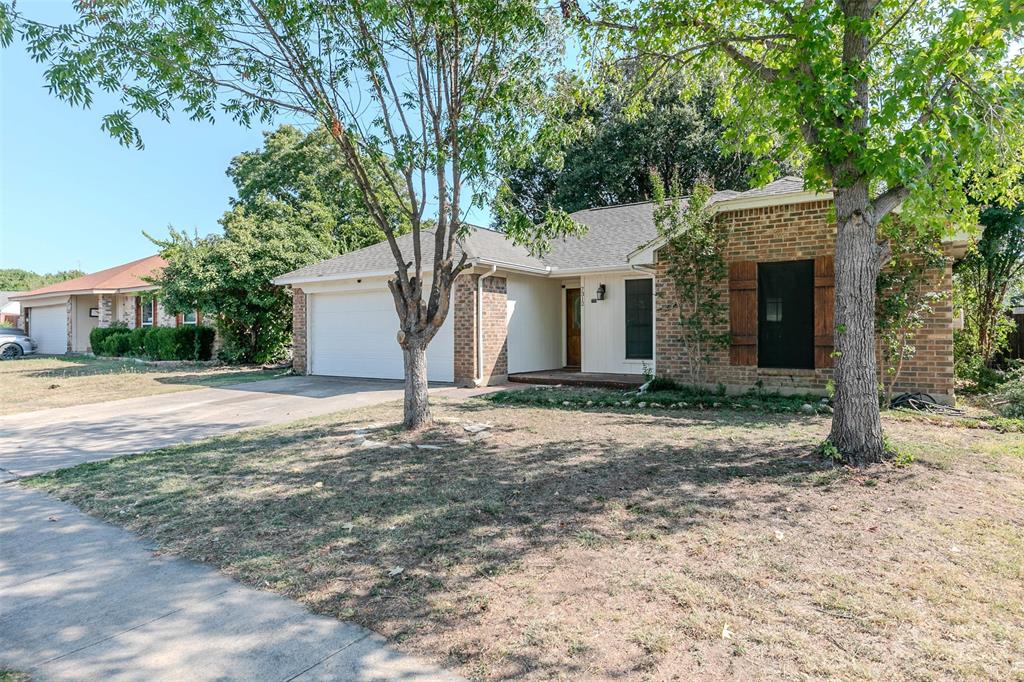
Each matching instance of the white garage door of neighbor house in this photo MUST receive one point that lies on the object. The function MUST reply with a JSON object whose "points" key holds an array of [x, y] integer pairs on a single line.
{"points": [[353, 335], [49, 327]]}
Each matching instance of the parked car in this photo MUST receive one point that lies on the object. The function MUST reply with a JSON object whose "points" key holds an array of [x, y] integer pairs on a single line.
{"points": [[14, 343]]}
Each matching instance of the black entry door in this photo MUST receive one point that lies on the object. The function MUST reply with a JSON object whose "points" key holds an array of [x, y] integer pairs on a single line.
{"points": [[785, 314]]}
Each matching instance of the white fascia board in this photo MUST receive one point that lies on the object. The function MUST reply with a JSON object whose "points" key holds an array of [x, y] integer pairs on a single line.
{"points": [[127, 290], [34, 298], [514, 267], [44, 300], [340, 277], [574, 272]]}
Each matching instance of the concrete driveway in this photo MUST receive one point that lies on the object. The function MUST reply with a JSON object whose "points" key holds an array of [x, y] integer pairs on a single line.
{"points": [[83, 600], [35, 442]]}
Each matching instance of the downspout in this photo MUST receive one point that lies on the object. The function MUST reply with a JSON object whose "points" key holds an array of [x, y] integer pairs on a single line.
{"points": [[478, 380]]}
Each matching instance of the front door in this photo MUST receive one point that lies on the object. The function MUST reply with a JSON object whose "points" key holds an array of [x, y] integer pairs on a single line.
{"points": [[572, 327]]}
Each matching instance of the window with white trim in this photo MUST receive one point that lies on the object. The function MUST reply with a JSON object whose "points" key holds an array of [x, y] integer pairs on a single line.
{"points": [[146, 306], [190, 317]]}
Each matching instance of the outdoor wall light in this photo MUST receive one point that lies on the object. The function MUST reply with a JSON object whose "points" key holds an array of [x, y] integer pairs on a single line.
{"points": [[600, 292]]}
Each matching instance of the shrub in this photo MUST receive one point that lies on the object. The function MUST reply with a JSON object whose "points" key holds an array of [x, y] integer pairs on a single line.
{"points": [[137, 341], [1010, 397], [192, 342], [98, 335], [115, 345], [664, 384], [196, 342], [151, 343]]}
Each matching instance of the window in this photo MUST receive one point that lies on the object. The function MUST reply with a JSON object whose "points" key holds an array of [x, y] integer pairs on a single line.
{"points": [[639, 319], [190, 317], [785, 314], [147, 312]]}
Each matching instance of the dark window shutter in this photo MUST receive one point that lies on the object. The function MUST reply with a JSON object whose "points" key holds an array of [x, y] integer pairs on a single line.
{"points": [[743, 313], [138, 312], [824, 310], [154, 313]]}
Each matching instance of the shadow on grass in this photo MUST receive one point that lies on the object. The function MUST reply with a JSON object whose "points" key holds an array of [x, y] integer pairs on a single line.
{"points": [[311, 513]]}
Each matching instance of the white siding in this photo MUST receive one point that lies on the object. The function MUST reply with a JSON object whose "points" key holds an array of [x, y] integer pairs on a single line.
{"points": [[535, 336], [354, 334], [604, 325]]}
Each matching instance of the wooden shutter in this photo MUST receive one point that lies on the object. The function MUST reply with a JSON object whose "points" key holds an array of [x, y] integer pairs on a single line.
{"points": [[155, 313], [138, 312], [824, 310], [743, 313]]}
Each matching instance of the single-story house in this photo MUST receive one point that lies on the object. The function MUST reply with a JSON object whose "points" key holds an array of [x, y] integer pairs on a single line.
{"points": [[10, 311], [60, 316], [602, 303]]}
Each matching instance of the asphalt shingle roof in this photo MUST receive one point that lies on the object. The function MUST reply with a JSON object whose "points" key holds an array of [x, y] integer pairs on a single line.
{"points": [[479, 243], [613, 232], [126, 276]]}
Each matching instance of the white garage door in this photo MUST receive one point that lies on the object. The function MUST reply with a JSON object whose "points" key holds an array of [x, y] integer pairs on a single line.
{"points": [[49, 327], [353, 335]]}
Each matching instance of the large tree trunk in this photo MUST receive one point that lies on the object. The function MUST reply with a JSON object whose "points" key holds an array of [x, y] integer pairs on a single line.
{"points": [[417, 409], [856, 424]]}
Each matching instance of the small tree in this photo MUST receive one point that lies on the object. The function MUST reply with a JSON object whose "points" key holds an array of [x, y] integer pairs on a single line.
{"points": [[985, 279], [903, 301], [696, 266], [439, 90], [228, 277], [296, 203]]}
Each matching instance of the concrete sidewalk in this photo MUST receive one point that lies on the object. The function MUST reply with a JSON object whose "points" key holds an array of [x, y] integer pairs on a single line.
{"points": [[83, 600]]}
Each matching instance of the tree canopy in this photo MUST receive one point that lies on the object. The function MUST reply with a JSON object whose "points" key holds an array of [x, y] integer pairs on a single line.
{"points": [[16, 279], [304, 176], [611, 159]]}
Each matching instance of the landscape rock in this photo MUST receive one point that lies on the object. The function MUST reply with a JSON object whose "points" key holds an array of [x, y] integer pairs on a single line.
{"points": [[476, 428], [807, 408]]}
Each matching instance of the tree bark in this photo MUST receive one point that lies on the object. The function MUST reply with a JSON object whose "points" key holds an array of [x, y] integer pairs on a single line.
{"points": [[856, 423], [417, 408]]}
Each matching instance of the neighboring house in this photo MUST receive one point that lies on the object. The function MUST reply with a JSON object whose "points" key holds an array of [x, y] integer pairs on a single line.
{"points": [[60, 316], [601, 303], [10, 311]]}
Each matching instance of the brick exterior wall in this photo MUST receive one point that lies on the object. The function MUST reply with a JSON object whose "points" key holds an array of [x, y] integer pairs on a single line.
{"points": [[299, 331], [495, 329], [796, 232], [106, 304]]}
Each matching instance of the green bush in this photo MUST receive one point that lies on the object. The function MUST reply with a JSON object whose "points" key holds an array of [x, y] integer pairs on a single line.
{"points": [[98, 335], [154, 342], [1009, 399], [196, 342], [664, 384], [137, 341], [116, 345], [189, 342]]}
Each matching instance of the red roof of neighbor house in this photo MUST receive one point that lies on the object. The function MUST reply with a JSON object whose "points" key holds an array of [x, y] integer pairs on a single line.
{"points": [[126, 276]]}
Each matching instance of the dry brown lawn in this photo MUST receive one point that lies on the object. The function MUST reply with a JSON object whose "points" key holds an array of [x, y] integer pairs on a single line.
{"points": [[39, 383], [609, 544]]}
